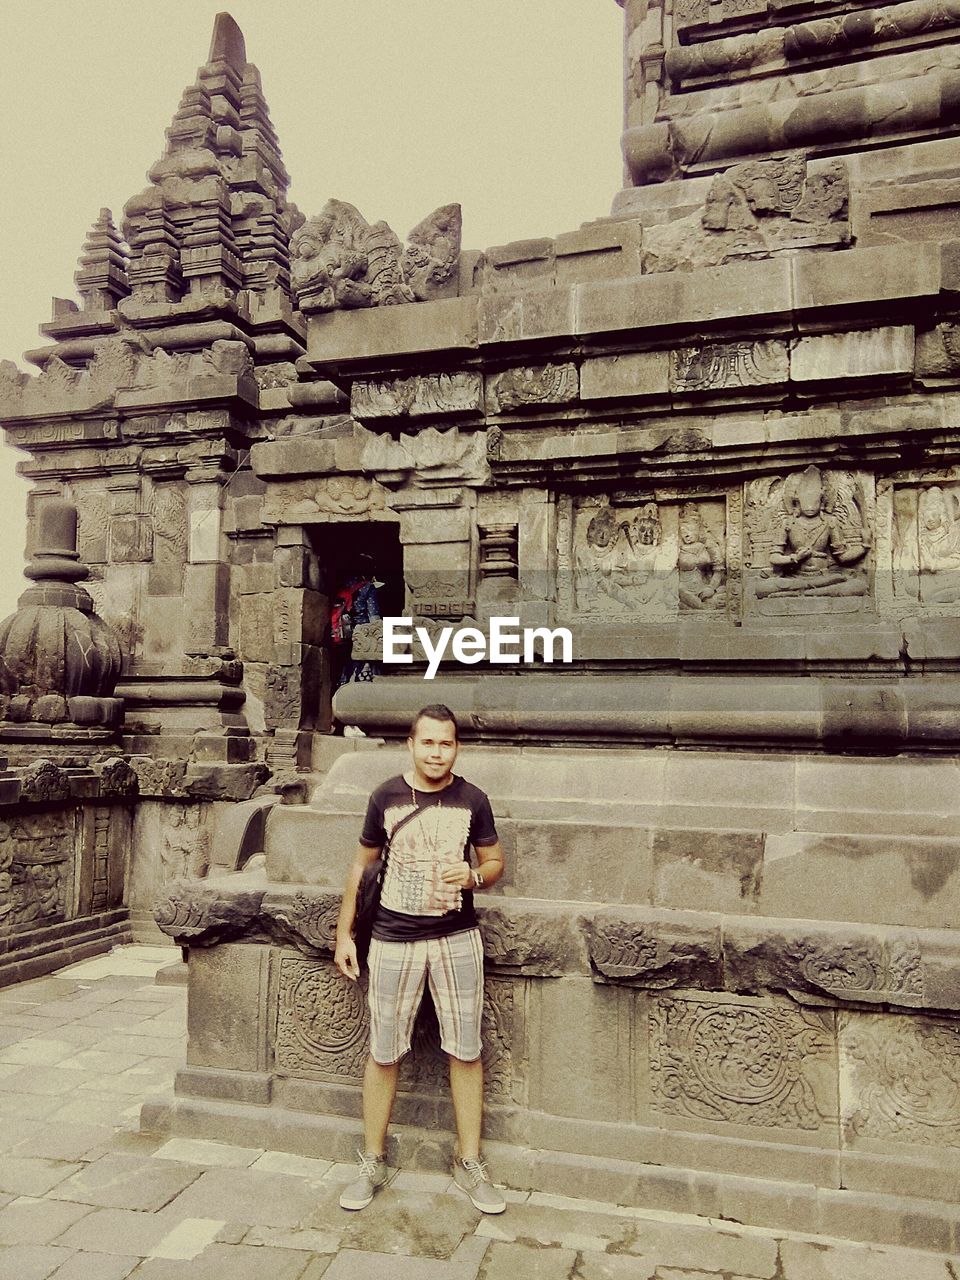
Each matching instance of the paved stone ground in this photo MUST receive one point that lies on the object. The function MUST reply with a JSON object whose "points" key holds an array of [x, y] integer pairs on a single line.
{"points": [[85, 1196]]}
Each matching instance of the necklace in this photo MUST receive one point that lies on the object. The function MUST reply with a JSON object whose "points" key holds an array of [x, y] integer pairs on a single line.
{"points": [[432, 845]]}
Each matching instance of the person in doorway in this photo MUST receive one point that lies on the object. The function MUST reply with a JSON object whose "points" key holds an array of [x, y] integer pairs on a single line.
{"points": [[354, 604], [425, 932]]}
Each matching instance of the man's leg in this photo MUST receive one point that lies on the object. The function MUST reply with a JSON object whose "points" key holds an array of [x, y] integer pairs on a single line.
{"points": [[466, 1088], [379, 1091]]}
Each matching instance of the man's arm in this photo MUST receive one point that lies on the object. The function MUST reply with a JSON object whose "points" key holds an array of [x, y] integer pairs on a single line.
{"points": [[345, 956], [489, 864]]}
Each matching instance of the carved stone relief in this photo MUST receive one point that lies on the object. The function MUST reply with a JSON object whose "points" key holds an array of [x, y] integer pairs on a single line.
{"points": [[926, 545], [432, 395], [753, 210], [36, 865], [198, 912], [184, 842], [339, 260], [652, 560], [743, 1063], [900, 1079], [323, 1031], [335, 497], [531, 387], [809, 535], [168, 507], [716, 366], [436, 457], [322, 1022]]}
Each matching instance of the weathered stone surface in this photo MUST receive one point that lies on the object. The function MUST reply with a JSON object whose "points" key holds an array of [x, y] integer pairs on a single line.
{"points": [[205, 912], [839, 961], [338, 259], [899, 1080], [306, 918], [649, 949], [531, 388], [861, 353], [527, 938], [439, 395], [745, 1062]]}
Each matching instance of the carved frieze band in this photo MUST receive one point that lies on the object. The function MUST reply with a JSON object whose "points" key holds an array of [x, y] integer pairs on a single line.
{"points": [[645, 947]]}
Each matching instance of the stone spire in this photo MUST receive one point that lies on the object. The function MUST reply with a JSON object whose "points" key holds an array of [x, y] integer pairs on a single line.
{"points": [[215, 219], [59, 661], [102, 274]]}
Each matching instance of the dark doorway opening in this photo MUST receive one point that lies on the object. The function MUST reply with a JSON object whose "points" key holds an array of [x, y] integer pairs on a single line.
{"points": [[340, 550]]}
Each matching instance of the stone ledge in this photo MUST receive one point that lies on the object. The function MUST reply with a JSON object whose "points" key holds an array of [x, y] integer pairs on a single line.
{"points": [[832, 964]]}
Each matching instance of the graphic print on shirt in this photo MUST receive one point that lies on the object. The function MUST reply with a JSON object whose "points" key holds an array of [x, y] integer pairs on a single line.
{"points": [[428, 843]]}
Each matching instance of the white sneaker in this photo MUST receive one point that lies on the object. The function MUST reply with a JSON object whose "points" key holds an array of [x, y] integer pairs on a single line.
{"points": [[472, 1177]]}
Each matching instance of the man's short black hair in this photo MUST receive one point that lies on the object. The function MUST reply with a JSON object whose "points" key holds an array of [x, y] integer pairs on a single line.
{"points": [[435, 711]]}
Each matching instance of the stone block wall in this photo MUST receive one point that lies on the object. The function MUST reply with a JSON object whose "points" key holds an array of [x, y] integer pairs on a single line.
{"points": [[65, 841]]}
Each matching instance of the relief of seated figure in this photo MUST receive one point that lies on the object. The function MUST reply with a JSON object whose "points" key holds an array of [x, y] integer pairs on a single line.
{"points": [[814, 551], [939, 537], [700, 563]]}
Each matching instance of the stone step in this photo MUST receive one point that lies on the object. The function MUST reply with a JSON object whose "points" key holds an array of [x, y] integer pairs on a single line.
{"points": [[864, 1217]]}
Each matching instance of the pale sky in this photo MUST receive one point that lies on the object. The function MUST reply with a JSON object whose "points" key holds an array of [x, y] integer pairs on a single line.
{"points": [[512, 107]]}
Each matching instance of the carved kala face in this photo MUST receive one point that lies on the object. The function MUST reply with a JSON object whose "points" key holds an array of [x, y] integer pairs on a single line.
{"points": [[434, 750]]}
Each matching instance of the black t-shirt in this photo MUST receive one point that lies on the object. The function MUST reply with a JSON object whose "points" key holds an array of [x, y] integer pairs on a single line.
{"points": [[415, 902]]}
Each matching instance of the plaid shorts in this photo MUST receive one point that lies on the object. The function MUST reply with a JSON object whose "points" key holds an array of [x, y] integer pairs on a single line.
{"points": [[398, 970]]}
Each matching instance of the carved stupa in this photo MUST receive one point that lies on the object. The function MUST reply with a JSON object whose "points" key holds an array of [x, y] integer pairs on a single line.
{"points": [[59, 661]]}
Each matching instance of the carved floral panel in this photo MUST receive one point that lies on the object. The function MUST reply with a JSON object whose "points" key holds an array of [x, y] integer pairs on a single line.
{"points": [[900, 1079], [743, 1062]]}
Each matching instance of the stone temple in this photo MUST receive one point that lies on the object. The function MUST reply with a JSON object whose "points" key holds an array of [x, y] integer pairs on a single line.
{"points": [[715, 434]]}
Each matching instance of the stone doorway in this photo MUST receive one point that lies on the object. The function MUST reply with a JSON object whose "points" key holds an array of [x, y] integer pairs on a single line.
{"points": [[339, 548]]}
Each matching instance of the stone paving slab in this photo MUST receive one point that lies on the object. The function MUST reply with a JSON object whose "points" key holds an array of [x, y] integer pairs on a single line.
{"points": [[127, 1182], [85, 1196], [31, 1261]]}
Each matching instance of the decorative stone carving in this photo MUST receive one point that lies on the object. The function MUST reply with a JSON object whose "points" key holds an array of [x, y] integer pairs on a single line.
{"points": [[809, 536], [434, 395], [307, 919], [938, 351], [701, 566], [926, 544], [322, 1022], [339, 497], [532, 387], [625, 562], [499, 551], [184, 844], [752, 211], [55, 650], [437, 457], [203, 913], [431, 258], [752, 1064], [900, 1079], [716, 366], [526, 942], [339, 260], [652, 952], [842, 962], [36, 852], [223, 358]]}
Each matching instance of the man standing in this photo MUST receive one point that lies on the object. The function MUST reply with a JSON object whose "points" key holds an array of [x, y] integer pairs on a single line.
{"points": [[425, 931]]}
